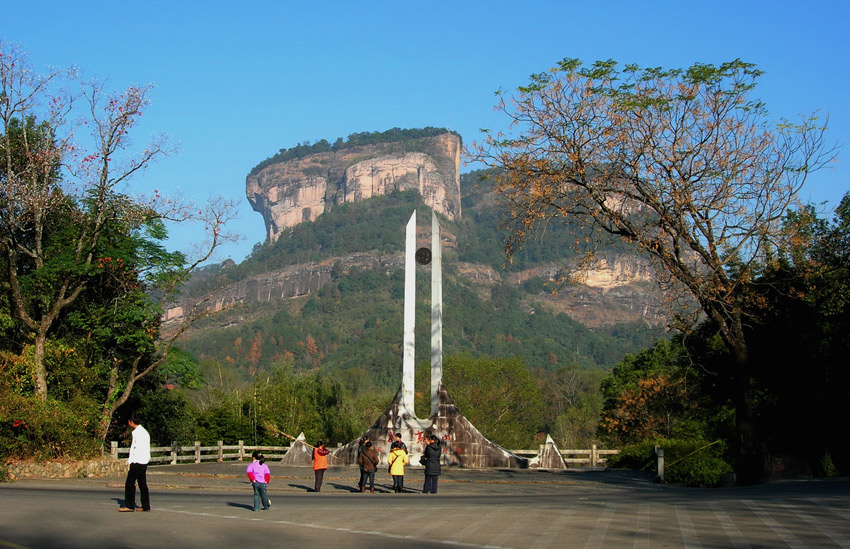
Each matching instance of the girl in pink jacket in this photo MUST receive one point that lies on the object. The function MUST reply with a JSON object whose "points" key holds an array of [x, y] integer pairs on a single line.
{"points": [[260, 476]]}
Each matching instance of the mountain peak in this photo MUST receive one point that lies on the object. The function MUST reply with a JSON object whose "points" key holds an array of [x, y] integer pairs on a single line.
{"points": [[302, 187]]}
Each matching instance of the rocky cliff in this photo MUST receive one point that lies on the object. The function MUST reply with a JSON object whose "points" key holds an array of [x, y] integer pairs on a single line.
{"points": [[295, 281], [292, 192], [616, 290]]}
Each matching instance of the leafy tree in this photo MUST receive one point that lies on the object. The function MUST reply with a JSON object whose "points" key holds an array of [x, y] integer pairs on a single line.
{"points": [[168, 416], [667, 396], [83, 263], [577, 426], [225, 420], [668, 390], [573, 404], [498, 395], [181, 369], [682, 164]]}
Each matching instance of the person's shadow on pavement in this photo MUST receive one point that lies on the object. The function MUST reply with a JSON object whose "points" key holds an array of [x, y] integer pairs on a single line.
{"points": [[240, 505], [346, 487], [122, 503]]}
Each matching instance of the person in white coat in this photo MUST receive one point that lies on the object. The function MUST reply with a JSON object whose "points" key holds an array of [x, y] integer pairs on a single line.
{"points": [[140, 456]]}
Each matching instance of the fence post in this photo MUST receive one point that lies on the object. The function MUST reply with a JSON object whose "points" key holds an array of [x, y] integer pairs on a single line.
{"points": [[241, 450], [173, 453], [114, 449], [220, 451], [659, 452], [197, 451], [594, 456]]}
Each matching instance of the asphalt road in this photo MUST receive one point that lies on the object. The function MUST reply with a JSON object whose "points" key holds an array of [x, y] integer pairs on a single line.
{"points": [[210, 506]]}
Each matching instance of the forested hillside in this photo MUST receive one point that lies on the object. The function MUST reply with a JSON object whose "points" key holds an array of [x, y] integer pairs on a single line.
{"points": [[353, 326]]}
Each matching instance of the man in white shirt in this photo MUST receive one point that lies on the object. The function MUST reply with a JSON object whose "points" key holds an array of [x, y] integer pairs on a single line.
{"points": [[140, 456]]}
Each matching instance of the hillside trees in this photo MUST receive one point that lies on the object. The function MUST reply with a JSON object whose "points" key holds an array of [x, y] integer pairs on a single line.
{"points": [[361, 139], [83, 260], [799, 345], [573, 404], [682, 164], [510, 414], [653, 394]]}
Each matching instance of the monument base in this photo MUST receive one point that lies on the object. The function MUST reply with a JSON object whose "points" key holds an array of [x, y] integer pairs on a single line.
{"points": [[463, 445]]}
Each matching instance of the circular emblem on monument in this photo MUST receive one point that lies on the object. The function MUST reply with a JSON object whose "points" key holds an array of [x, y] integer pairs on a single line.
{"points": [[423, 256]]}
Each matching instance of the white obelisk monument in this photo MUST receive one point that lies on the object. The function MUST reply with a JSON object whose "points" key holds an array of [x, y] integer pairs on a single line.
{"points": [[408, 361], [436, 314]]}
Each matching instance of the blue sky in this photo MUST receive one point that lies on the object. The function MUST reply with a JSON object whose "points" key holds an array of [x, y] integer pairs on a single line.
{"points": [[237, 81]]}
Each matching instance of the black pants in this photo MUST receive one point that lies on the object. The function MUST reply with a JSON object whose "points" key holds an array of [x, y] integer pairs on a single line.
{"points": [[320, 474], [137, 473], [430, 484]]}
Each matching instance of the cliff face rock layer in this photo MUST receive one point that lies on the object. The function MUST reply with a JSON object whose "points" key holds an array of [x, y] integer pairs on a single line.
{"points": [[294, 281], [618, 289], [292, 192]]}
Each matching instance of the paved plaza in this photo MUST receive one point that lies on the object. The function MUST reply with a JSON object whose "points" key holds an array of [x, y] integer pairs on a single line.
{"points": [[210, 505]]}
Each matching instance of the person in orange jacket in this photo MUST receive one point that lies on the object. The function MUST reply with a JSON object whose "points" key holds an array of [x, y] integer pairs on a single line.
{"points": [[320, 464], [397, 460]]}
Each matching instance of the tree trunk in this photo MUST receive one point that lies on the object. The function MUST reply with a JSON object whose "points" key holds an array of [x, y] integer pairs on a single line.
{"points": [[750, 454], [109, 403], [112, 402], [38, 365], [103, 427], [748, 450]]}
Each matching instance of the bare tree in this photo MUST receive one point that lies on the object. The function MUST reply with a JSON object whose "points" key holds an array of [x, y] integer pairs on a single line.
{"points": [[682, 164]]}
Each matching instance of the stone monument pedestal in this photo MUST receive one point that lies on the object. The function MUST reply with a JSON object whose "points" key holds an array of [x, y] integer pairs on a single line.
{"points": [[462, 444]]}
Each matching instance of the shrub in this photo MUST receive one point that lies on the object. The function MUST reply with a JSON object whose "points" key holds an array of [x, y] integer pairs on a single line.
{"points": [[692, 462], [826, 467], [34, 429], [640, 457]]}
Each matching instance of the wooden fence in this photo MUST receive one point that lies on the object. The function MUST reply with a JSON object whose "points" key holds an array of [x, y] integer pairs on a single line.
{"points": [[594, 457], [172, 455]]}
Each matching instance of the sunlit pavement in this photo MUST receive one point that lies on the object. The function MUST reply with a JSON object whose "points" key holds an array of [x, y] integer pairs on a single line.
{"points": [[210, 505]]}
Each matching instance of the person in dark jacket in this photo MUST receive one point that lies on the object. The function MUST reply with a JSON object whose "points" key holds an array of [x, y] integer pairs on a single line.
{"points": [[431, 461], [398, 443], [368, 461], [361, 445]]}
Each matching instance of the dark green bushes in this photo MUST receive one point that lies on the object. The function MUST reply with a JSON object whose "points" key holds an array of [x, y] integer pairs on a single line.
{"points": [[34, 429], [692, 462]]}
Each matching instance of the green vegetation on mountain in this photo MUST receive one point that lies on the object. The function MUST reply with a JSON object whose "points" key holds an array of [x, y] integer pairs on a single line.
{"points": [[371, 226], [348, 335], [481, 240], [397, 137], [355, 324], [356, 321]]}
